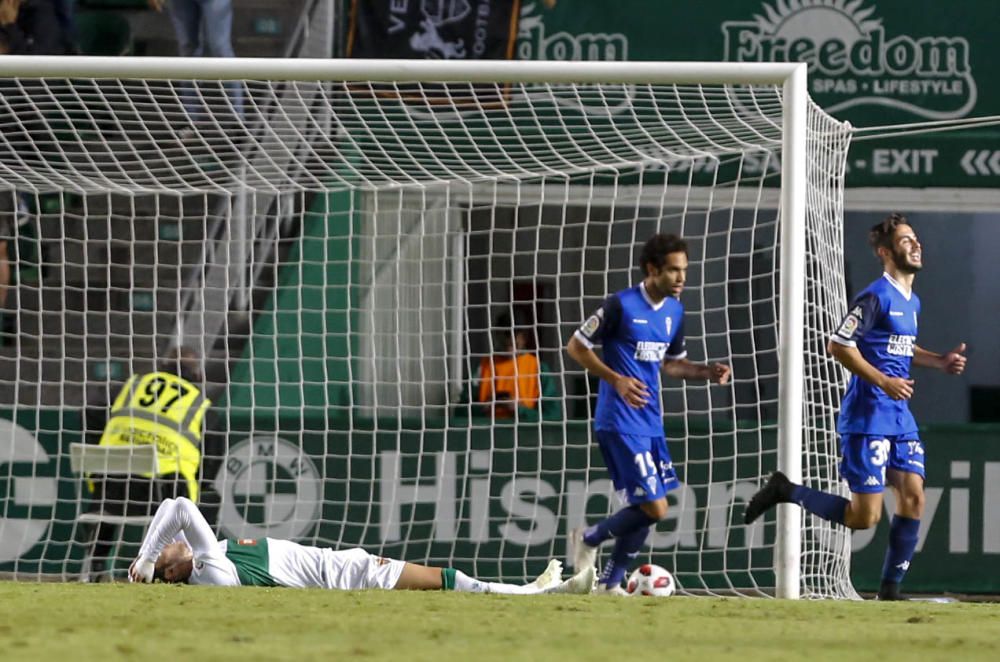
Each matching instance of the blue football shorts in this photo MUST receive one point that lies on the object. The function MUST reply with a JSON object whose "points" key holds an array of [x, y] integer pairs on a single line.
{"points": [[640, 466], [865, 457]]}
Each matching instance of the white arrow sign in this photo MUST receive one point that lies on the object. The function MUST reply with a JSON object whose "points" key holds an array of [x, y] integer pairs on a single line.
{"points": [[981, 162]]}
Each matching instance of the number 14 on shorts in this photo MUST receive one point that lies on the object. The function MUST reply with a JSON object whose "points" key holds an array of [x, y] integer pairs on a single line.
{"points": [[647, 468]]}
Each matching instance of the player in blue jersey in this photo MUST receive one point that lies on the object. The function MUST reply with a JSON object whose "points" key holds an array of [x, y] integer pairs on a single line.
{"points": [[879, 443], [641, 331]]}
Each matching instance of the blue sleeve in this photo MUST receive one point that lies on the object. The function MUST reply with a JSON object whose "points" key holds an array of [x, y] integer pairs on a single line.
{"points": [[603, 323], [864, 311], [678, 348]]}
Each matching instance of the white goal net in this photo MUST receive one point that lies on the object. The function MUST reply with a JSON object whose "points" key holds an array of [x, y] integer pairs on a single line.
{"points": [[343, 255]]}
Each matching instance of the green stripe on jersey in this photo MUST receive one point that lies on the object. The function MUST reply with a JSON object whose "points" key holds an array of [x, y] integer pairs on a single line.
{"points": [[251, 560]]}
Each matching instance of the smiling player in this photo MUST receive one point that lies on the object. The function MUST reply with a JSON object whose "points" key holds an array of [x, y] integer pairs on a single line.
{"points": [[879, 444]]}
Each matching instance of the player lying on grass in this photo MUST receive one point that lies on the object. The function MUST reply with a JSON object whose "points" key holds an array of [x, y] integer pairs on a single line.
{"points": [[180, 547]]}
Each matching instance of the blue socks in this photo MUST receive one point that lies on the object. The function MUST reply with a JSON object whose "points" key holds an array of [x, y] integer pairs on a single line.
{"points": [[828, 506], [629, 526], [625, 521], [626, 549], [903, 534]]}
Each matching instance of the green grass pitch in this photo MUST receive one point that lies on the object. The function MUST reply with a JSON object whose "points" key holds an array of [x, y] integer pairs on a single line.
{"points": [[77, 622]]}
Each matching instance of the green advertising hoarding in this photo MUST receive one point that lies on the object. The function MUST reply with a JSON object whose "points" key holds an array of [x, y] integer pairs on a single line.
{"points": [[500, 497], [474, 495], [870, 63], [38, 492], [959, 545]]}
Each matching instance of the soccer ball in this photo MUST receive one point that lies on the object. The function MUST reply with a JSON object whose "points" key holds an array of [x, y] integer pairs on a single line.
{"points": [[649, 579]]}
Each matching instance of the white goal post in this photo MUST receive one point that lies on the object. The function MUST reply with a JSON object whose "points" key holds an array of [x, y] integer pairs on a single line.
{"points": [[428, 152]]}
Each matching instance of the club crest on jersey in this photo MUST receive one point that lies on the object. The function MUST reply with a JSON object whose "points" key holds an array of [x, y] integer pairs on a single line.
{"points": [[670, 325]]}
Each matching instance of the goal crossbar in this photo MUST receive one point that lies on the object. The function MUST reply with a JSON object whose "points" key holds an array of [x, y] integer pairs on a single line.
{"points": [[311, 69]]}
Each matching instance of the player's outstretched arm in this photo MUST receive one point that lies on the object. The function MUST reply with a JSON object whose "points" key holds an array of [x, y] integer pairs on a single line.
{"points": [[952, 362], [897, 388], [717, 373]]}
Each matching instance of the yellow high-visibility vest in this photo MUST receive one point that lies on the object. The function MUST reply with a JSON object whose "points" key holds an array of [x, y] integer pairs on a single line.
{"points": [[166, 410]]}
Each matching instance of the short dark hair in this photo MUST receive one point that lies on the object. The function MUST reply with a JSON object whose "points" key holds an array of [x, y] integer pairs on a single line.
{"points": [[658, 247], [183, 362], [520, 321], [507, 327], [880, 236]]}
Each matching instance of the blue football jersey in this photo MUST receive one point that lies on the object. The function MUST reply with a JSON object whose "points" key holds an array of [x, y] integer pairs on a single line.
{"points": [[635, 337], [882, 324]]}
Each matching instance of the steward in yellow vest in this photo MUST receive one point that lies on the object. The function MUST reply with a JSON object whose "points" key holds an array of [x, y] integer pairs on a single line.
{"points": [[165, 410]]}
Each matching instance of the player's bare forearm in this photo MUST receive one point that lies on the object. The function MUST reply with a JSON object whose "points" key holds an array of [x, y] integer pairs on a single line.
{"points": [[717, 373], [952, 362], [851, 358], [590, 361], [632, 390], [926, 359], [897, 388]]}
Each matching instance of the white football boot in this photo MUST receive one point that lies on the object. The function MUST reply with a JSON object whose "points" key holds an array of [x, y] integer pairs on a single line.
{"points": [[581, 583], [550, 577]]}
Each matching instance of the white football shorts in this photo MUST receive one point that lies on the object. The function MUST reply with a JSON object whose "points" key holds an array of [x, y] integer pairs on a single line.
{"points": [[355, 569]]}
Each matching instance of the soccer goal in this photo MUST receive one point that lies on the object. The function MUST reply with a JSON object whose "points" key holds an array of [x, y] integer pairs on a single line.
{"points": [[345, 242]]}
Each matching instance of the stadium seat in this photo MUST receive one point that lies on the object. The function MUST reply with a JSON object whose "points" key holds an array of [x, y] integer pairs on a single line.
{"points": [[93, 460], [104, 33]]}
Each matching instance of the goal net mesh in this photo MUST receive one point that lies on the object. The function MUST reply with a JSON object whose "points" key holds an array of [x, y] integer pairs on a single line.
{"points": [[346, 256]]}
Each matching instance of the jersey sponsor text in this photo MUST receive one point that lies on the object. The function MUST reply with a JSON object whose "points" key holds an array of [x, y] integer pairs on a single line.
{"points": [[900, 345], [647, 350]]}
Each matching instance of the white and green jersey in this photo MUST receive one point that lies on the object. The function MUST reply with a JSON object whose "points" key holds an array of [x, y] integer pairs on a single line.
{"points": [[273, 562], [251, 559], [261, 562]]}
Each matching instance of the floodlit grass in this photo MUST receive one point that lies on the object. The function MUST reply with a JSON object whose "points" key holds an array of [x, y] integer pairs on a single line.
{"points": [[41, 622]]}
